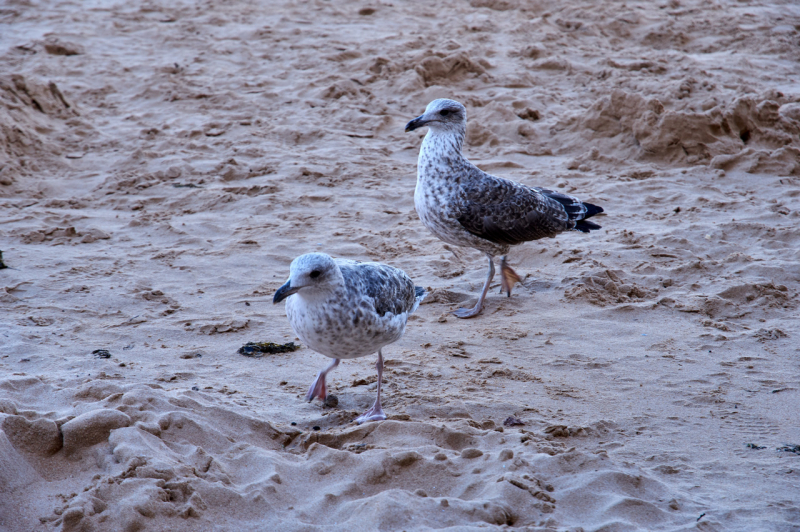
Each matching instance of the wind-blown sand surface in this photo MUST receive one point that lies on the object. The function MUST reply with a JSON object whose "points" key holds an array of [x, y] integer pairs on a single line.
{"points": [[162, 162]]}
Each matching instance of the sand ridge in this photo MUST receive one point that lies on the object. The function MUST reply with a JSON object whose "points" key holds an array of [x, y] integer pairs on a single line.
{"points": [[162, 163]]}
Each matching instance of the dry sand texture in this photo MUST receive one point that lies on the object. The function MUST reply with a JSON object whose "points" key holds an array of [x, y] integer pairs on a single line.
{"points": [[162, 162]]}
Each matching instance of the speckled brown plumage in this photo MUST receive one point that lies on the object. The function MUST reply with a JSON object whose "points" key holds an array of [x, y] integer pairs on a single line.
{"points": [[348, 309], [463, 205]]}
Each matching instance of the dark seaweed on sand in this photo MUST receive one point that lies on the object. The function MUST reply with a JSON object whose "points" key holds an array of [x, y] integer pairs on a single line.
{"points": [[790, 449], [258, 349]]}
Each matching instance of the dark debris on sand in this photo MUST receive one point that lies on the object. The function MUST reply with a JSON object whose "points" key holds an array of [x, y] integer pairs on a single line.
{"points": [[258, 349], [331, 401], [790, 449]]}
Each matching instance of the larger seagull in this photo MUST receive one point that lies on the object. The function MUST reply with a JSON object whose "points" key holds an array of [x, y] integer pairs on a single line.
{"points": [[465, 206]]}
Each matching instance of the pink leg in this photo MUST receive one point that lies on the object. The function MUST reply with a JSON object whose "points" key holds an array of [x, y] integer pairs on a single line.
{"points": [[474, 311], [376, 412], [318, 388]]}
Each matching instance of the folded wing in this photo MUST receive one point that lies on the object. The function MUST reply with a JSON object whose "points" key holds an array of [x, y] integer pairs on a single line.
{"points": [[505, 212], [389, 289]]}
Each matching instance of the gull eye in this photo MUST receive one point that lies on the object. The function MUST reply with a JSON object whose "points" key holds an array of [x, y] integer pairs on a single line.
{"points": [[444, 112], [314, 274]]}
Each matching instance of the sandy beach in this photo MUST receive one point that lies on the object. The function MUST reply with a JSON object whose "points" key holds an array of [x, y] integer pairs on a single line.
{"points": [[162, 163]]}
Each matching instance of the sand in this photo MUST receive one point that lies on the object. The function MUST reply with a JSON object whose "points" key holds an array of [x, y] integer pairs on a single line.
{"points": [[161, 163]]}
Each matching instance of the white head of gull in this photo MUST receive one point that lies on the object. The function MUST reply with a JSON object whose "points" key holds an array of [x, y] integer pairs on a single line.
{"points": [[465, 206], [346, 309]]}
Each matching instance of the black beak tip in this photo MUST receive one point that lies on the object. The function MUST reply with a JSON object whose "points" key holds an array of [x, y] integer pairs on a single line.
{"points": [[282, 293], [414, 124]]}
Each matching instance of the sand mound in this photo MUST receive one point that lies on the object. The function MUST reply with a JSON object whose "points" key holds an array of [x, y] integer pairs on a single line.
{"points": [[186, 460], [747, 133], [30, 113]]}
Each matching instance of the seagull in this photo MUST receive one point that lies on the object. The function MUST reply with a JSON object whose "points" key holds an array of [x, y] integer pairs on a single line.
{"points": [[465, 206], [346, 309]]}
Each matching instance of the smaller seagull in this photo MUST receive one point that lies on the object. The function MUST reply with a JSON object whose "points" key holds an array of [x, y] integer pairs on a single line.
{"points": [[346, 309], [463, 205]]}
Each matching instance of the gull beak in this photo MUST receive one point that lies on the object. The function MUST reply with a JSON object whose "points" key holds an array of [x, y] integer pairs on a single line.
{"points": [[283, 292], [417, 123]]}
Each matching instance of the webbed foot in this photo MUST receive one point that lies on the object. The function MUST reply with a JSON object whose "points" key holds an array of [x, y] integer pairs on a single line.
{"points": [[468, 312], [373, 414], [508, 278]]}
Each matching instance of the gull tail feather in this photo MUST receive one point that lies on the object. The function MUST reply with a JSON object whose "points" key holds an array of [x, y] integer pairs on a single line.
{"points": [[419, 295]]}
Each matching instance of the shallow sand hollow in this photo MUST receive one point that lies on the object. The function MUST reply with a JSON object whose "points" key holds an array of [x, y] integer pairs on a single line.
{"points": [[162, 163]]}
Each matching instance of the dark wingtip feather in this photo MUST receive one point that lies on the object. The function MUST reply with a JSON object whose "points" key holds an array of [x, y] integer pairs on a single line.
{"points": [[591, 210], [584, 227], [419, 292]]}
